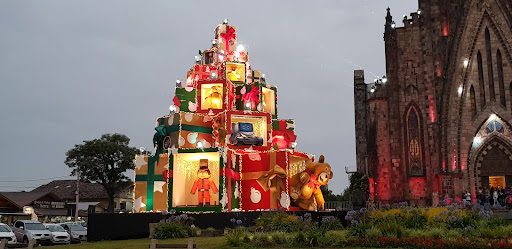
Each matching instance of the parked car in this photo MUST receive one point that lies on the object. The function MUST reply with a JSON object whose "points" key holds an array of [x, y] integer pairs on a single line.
{"points": [[77, 232], [243, 134], [59, 234], [6, 233], [26, 230]]}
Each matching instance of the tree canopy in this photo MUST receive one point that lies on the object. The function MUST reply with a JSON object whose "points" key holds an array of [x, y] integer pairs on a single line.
{"points": [[104, 161]]}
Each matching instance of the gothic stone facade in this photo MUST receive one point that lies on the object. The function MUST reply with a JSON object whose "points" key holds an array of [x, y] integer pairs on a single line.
{"points": [[440, 124]]}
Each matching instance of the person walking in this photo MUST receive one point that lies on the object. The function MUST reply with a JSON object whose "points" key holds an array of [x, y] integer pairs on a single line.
{"points": [[495, 196], [468, 198]]}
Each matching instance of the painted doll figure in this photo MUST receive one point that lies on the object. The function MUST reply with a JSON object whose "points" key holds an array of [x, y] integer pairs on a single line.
{"points": [[204, 184]]}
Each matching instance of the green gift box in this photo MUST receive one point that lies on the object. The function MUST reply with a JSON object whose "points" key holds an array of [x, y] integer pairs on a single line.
{"points": [[185, 98]]}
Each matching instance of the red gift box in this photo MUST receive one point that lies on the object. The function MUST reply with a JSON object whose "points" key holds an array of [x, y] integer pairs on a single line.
{"points": [[200, 72], [264, 180], [262, 124], [215, 96]]}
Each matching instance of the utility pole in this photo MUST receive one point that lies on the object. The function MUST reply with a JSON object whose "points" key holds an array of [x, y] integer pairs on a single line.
{"points": [[77, 194]]}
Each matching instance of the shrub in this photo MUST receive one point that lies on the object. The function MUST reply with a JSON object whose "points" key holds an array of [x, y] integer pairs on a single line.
{"points": [[237, 237], [336, 237], [391, 229], [373, 232], [493, 233], [279, 222], [312, 237], [435, 232], [262, 240], [172, 230], [331, 223], [495, 222]]}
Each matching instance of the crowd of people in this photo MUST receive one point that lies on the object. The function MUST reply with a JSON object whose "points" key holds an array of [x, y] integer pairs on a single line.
{"points": [[493, 196]]}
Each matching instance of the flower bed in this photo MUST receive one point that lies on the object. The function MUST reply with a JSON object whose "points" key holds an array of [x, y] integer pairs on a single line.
{"points": [[430, 243]]}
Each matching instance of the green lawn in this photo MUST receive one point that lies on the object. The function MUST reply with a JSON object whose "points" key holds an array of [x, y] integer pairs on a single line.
{"points": [[202, 242]]}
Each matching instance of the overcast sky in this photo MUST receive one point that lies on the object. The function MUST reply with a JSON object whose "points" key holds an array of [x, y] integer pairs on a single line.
{"points": [[73, 70]]}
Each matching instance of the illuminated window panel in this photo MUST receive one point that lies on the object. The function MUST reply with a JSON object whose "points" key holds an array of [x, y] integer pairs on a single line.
{"points": [[185, 168], [497, 181], [297, 165], [235, 72], [211, 96], [259, 125], [269, 100]]}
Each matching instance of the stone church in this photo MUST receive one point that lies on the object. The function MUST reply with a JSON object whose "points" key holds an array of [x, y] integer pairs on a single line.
{"points": [[439, 122]]}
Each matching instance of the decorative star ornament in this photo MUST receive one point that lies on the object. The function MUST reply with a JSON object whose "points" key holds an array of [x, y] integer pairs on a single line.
{"points": [[139, 161], [159, 186], [138, 204]]}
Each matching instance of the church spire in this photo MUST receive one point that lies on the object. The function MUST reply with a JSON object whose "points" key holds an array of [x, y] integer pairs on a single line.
{"points": [[390, 24]]}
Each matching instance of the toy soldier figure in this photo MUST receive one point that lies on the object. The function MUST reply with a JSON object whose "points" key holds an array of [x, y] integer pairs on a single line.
{"points": [[203, 184]]}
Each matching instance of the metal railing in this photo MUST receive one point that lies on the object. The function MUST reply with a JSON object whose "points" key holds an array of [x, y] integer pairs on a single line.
{"points": [[338, 205]]}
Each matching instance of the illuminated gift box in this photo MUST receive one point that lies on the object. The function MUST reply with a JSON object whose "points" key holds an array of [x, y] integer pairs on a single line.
{"points": [[234, 71], [151, 190], [283, 133], [265, 177], [214, 96], [257, 96], [187, 98], [184, 174], [201, 72], [184, 130], [261, 128], [226, 38]]}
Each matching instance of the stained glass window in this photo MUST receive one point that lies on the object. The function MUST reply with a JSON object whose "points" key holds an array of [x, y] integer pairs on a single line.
{"points": [[414, 143]]}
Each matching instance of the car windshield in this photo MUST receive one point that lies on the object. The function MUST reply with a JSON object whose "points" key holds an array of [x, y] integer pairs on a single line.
{"points": [[77, 228], [34, 226], [4, 228], [56, 228]]}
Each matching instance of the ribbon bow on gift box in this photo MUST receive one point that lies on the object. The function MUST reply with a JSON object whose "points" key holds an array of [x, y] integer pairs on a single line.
{"points": [[282, 133], [252, 97], [230, 34], [272, 180]]}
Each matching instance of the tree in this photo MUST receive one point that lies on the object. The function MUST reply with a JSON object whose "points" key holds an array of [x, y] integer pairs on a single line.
{"points": [[103, 161]]}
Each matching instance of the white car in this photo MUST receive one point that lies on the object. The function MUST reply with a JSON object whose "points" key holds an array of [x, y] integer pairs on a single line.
{"points": [[77, 232], [59, 234], [6, 233]]}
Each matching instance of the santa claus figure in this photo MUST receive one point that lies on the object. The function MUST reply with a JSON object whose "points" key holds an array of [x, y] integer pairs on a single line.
{"points": [[204, 184]]}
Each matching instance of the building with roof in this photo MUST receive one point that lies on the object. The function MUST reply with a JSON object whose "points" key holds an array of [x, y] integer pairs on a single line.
{"points": [[44, 204], [91, 194], [57, 199]]}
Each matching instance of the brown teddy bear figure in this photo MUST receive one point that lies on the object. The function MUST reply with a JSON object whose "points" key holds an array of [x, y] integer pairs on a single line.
{"points": [[306, 185]]}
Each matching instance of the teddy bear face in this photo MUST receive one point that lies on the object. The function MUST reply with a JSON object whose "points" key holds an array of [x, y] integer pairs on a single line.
{"points": [[322, 171]]}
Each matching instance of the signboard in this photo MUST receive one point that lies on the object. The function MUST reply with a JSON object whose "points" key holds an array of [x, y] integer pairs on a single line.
{"points": [[48, 204]]}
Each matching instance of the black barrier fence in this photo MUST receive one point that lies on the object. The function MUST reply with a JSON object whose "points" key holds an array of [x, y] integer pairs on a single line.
{"points": [[134, 226]]}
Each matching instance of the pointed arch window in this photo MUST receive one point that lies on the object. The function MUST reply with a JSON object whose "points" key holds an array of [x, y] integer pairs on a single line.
{"points": [[481, 80], [473, 101], [414, 143], [501, 80], [490, 72]]}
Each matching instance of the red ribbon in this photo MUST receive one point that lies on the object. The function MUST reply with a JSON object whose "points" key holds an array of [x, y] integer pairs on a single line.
{"points": [[313, 182], [252, 97], [230, 34], [289, 136], [231, 174], [176, 101], [167, 174]]}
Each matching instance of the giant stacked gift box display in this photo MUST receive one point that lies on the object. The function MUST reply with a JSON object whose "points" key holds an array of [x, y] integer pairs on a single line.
{"points": [[222, 148]]}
